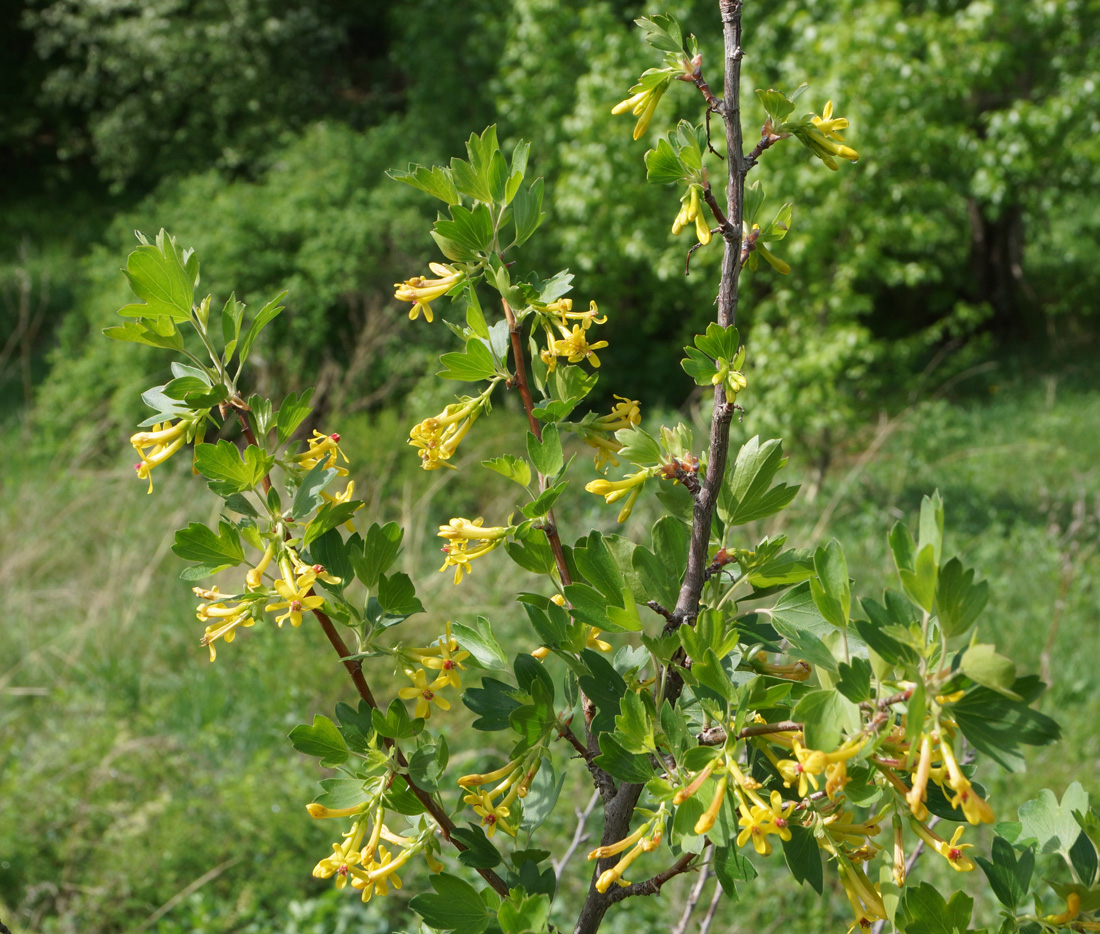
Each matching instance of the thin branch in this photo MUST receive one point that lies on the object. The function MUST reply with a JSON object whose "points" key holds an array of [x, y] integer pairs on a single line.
{"points": [[716, 735], [653, 886], [696, 891], [579, 836], [726, 228], [605, 784], [709, 918]]}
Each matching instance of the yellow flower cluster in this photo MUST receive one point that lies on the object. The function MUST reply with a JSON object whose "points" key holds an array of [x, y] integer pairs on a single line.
{"points": [[437, 437], [295, 588], [156, 446], [822, 137], [369, 866], [444, 657], [947, 775], [599, 433], [323, 449], [468, 540], [516, 776], [691, 212], [643, 840], [626, 489], [573, 344], [643, 103]]}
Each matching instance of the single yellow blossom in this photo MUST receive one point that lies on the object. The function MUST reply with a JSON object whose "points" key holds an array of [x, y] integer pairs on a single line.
{"points": [[425, 693], [296, 600], [323, 449], [421, 291]]}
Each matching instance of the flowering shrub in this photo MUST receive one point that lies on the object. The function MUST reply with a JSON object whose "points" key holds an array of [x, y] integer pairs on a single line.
{"points": [[720, 693]]}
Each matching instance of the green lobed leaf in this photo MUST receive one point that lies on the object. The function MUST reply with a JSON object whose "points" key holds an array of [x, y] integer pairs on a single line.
{"points": [[480, 852], [546, 454], [826, 716], [521, 913], [730, 867], [294, 410], [428, 764], [959, 601], [229, 470], [456, 906], [397, 595], [149, 331], [435, 181], [322, 740], [982, 664], [544, 502], [157, 276], [380, 549], [221, 549], [1009, 876], [527, 213], [493, 702], [471, 365], [830, 589], [514, 468], [480, 643], [328, 517], [747, 494], [1051, 824], [308, 496]]}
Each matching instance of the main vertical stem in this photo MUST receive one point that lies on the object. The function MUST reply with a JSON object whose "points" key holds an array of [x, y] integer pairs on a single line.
{"points": [[620, 809]]}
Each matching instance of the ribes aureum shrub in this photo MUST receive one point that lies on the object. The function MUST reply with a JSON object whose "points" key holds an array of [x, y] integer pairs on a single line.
{"points": [[726, 697]]}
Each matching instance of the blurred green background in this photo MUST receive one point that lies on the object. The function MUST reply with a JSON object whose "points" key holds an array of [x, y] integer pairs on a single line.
{"points": [[939, 329]]}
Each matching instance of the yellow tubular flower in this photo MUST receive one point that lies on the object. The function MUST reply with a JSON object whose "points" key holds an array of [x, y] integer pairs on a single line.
{"points": [[642, 105], [899, 853], [710, 815], [604, 882], [228, 620], [755, 824], [951, 851], [254, 578], [575, 347], [974, 807], [595, 642], [156, 446], [421, 291], [324, 448], [381, 875], [602, 852], [438, 437], [918, 794], [1073, 908]]}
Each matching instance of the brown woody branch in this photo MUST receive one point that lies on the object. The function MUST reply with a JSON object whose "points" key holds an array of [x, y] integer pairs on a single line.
{"points": [[653, 886], [716, 735]]}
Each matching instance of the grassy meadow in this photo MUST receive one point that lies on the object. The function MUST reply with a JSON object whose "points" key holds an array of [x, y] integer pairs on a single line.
{"points": [[143, 788]]}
